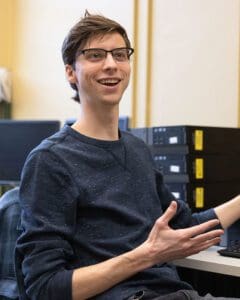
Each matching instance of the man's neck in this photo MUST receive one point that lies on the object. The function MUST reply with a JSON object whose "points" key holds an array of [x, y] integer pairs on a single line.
{"points": [[102, 126]]}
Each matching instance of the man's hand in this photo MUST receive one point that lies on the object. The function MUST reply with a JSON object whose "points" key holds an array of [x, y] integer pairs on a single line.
{"points": [[162, 245], [165, 244]]}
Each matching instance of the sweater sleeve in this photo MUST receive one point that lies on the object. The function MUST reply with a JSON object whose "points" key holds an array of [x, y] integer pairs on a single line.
{"points": [[184, 217], [48, 201]]}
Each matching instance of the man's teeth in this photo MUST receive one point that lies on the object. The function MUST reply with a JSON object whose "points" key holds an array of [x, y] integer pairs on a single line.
{"points": [[109, 81]]}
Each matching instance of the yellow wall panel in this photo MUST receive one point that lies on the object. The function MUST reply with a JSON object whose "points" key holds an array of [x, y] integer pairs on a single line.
{"points": [[6, 33]]}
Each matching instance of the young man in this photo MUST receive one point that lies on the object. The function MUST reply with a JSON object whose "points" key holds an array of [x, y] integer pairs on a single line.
{"points": [[98, 221]]}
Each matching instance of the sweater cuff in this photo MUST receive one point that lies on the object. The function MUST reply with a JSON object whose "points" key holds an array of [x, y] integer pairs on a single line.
{"points": [[60, 286], [207, 215]]}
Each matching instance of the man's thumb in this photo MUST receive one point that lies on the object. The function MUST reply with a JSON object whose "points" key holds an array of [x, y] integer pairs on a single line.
{"points": [[170, 212]]}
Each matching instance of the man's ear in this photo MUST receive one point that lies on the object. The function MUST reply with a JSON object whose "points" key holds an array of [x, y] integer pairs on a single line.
{"points": [[70, 74]]}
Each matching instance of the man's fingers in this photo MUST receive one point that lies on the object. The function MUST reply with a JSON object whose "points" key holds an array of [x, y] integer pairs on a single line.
{"points": [[201, 228], [208, 236], [203, 246]]}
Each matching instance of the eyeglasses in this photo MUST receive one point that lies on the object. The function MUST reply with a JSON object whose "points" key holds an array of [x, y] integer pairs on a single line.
{"points": [[97, 55]]}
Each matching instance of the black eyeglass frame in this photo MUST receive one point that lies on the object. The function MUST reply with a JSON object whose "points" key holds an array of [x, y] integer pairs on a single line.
{"points": [[130, 51]]}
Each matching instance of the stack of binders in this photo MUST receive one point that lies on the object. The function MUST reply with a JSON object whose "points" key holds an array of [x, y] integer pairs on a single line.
{"points": [[199, 164]]}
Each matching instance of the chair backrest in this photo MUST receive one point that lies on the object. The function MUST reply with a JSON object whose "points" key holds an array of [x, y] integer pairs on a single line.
{"points": [[9, 232]]}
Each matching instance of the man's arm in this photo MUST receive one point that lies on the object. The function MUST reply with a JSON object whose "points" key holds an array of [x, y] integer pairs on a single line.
{"points": [[228, 212], [162, 245]]}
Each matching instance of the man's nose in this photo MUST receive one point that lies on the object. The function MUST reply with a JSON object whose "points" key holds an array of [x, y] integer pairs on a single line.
{"points": [[110, 61]]}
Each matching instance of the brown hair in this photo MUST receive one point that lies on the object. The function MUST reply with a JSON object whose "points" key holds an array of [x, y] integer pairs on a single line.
{"points": [[88, 27]]}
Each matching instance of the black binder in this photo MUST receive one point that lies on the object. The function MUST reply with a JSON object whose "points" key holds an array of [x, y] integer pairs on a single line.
{"points": [[206, 195], [192, 139], [207, 168]]}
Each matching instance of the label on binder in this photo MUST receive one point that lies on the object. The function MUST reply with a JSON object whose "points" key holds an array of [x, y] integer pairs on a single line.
{"points": [[198, 140], [199, 168], [199, 197]]}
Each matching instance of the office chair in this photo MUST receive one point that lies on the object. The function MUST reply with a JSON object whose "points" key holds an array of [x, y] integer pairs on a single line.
{"points": [[10, 230]]}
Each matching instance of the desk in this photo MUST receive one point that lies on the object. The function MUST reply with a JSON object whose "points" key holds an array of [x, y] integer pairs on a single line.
{"points": [[209, 272], [210, 261]]}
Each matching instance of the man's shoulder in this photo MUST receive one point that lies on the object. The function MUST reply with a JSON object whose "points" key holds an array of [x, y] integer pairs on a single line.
{"points": [[134, 141], [127, 135], [50, 148], [53, 142]]}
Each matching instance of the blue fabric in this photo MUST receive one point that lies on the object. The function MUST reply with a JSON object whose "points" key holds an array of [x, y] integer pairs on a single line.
{"points": [[9, 224], [85, 201]]}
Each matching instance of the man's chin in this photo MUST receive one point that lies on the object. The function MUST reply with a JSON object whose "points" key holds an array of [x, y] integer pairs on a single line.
{"points": [[111, 100]]}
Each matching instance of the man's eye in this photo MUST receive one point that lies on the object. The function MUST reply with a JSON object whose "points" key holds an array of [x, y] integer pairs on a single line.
{"points": [[95, 55], [120, 55]]}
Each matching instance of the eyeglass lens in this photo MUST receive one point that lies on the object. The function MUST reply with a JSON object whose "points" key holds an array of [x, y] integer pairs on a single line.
{"points": [[96, 55]]}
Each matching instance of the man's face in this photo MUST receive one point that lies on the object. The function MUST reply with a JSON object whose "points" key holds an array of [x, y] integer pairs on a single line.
{"points": [[104, 81]]}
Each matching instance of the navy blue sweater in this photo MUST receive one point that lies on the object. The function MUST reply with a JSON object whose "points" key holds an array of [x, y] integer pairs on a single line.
{"points": [[85, 201]]}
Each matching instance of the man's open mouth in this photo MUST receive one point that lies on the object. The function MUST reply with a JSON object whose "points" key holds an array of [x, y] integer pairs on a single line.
{"points": [[109, 82]]}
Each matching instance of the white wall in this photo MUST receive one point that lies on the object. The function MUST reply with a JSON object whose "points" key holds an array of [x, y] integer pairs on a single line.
{"points": [[196, 62]]}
